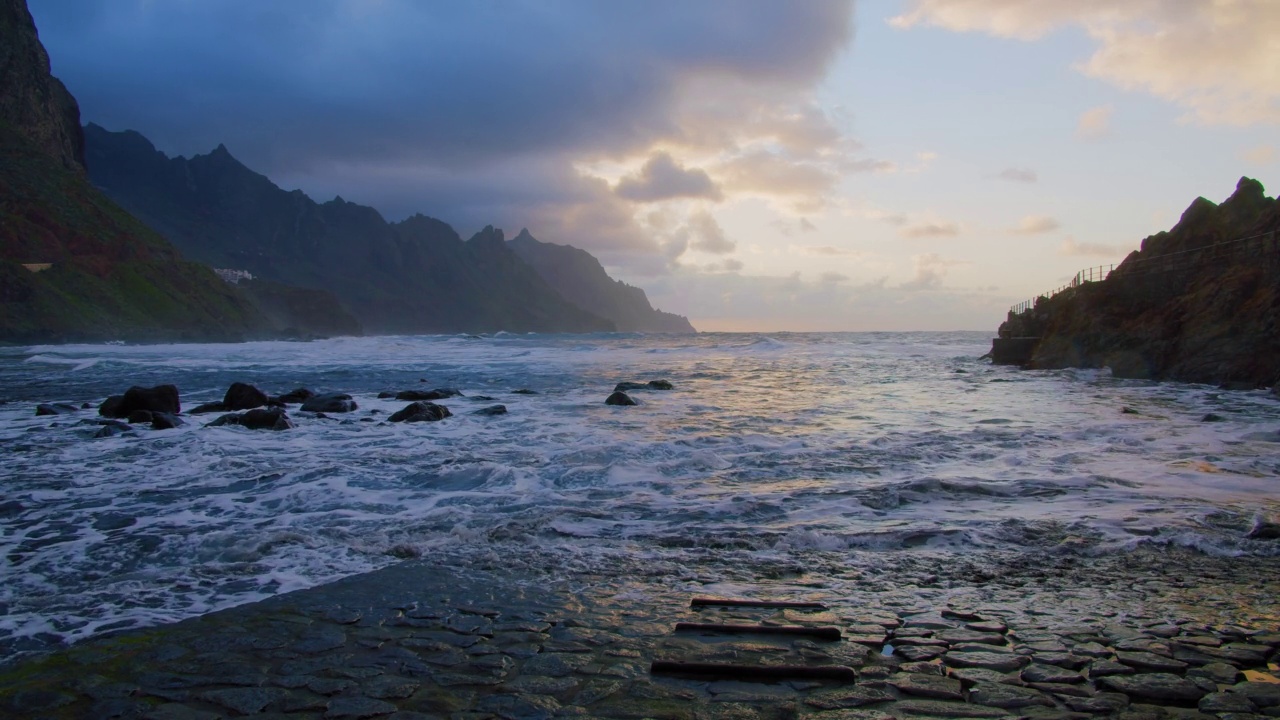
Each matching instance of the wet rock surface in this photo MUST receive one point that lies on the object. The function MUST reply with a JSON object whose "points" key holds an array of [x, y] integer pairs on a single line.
{"points": [[526, 638]]}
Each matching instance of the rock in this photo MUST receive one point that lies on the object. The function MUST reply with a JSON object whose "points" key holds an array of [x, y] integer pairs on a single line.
{"points": [[492, 410], [162, 398], [114, 521], [1218, 672], [1050, 674], [245, 701], [1150, 661], [1007, 696], [1264, 529], [436, 394], [524, 391], [918, 653], [386, 395], [165, 421], [1104, 668], [930, 686], [1066, 660], [1001, 662], [139, 417], [1162, 687], [972, 676], [1100, 704], [112, 430], [969, 636], [55, 409], [628, 386], [619, 398], [211, 407], [421, 411], [945, 709], [848, 697], [660, 385], [1227, 702], [296, 395], [257, 419], [243, 396], [330, 403], [1263, 694], [1212, 417]]}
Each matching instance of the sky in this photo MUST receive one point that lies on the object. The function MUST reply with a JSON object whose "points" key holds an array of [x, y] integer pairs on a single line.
{"points": [[752, 164]]}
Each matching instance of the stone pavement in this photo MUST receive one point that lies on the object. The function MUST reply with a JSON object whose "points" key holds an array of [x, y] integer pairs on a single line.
{"points": [[1177, 637]]}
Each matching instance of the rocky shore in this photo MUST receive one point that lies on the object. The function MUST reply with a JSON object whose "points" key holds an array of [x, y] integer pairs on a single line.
{"points": [[1143, 636]]}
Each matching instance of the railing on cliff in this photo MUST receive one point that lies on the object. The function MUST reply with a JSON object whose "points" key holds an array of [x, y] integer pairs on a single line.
{"points": [[1267, 245]]}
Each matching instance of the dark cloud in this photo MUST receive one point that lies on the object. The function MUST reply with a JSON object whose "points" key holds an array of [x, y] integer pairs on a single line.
{"points": [[476, 113], [662, 178]]}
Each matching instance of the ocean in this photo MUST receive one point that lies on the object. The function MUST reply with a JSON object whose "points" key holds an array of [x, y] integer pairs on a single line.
{"points": [[769, 446]]}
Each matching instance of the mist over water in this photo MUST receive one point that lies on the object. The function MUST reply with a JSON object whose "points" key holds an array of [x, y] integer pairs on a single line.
{"points": [[770, 445]]}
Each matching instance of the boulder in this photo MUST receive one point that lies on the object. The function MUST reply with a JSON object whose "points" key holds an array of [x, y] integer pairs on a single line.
{"points": [[436, 394], [243, 396], [140, 417], [112, 429], [628, 386], [619, 398], [524, 391], [161, 398], [1264, 529], [295, 396], [492, 410], [330, 402], [421, 411], [257, 419], [55, 409], [165, 421], [660, 385]]}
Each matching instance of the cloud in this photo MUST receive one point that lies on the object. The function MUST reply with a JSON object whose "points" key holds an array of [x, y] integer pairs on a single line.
{"points": [[662, 178], [1072, 248], [930, 230], [930, 271], [831, 278], [473, 112], [1260, 155], [1218, 59], [728, 265], [1021, 175], [827, 250], [1035, 225], [1094, 122], [706, 235]]}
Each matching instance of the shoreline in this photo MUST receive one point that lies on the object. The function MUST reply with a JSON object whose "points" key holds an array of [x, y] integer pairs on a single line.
{"points": [[531, 635]]}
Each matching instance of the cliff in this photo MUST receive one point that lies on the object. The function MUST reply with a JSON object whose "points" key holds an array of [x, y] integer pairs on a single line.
{"points": [[34, 103], [413, 276], [1199, 303], [73, 265], [579, 278]]}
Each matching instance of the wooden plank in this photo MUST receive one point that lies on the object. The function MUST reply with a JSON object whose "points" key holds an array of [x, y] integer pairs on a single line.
{"points": [[730, 602], [826, 632], [757, 672]]}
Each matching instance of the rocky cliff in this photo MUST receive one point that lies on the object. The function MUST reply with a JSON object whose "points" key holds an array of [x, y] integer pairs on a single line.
{"points": [[409, 277], [33, 102], [580, 278], [73, 265], [1199, 303]]}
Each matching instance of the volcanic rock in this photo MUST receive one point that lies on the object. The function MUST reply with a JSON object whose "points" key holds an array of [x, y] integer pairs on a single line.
{"points": [[330, 403], [243, 396], [619, 398], [55, 409], [161, 398], [420, 411], [295, 396]]}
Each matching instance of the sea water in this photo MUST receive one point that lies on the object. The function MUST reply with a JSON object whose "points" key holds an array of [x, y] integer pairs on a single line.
{"points": [[769, 445]]}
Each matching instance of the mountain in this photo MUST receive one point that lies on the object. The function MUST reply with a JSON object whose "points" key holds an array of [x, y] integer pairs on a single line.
{"points": [[1199, 303], [581, 280], [413, 276], [73, 265]]}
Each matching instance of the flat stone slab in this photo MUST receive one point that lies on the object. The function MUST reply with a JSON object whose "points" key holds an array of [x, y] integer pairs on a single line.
{"points": [[928, 686], [1155, 686], [1008, 697], [1003, 662]]}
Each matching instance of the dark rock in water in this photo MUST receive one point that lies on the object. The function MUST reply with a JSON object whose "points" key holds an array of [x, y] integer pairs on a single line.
{"points": [[524, 391], [436, 394], [1212, 417], [257, 419], [330, 402], [243, 396], [481, 398], [11, 507], [1264, 530], [619, 398], [492, 410], [421, 411], [295, 396], [628, 386], [1238, 385], [165, 421], [386, 395], [208, 408], [161, 398], [112, 430], [55, 409], [660, 385], [140, 417], [1129, 411]]}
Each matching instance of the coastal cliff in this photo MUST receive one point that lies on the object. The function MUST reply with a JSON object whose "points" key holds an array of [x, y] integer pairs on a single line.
{"points": [[1199, 303]]}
